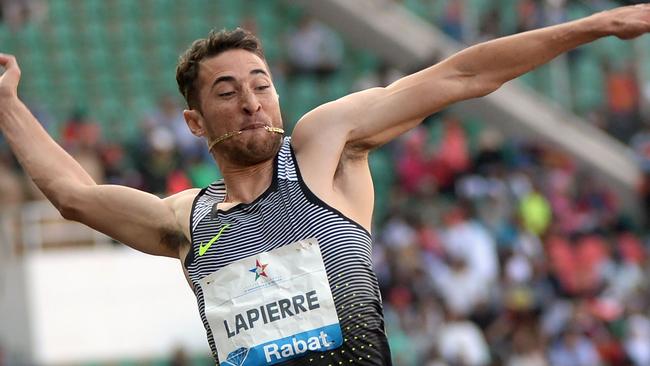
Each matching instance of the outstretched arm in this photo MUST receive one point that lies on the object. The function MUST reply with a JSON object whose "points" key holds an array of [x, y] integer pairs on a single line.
{"points": [[138, 219], [373, 117]]}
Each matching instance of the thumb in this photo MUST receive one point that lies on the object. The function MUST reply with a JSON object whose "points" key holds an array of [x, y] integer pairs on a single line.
{"points": [[11, 75]]}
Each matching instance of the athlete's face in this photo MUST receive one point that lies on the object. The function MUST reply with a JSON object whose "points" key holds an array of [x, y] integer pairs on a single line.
{"points": [[236, 94]]}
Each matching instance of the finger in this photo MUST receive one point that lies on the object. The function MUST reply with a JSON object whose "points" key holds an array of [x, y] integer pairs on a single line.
{"points": [[7, 61], [12, 71]]}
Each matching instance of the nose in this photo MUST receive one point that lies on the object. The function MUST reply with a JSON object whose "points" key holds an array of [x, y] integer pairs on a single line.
{"points": [[250, 104]]}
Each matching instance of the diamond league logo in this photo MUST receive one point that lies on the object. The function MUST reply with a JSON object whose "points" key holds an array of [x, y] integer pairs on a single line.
{"points": [[237, 357]]}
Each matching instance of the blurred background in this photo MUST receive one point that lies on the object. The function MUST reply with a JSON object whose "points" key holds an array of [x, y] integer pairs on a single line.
{"points": [[509, 230]]}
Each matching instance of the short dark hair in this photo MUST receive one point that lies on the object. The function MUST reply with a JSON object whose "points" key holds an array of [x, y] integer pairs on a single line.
{"points": [[187, 70]]}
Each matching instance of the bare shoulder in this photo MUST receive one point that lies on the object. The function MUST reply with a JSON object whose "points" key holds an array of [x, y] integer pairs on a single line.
{"points": [[329, 168], [318, 143], [318, 124], [181, 198], [335, 119]]}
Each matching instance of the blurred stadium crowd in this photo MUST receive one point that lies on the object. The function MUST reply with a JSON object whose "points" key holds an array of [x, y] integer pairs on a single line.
{"points": [[489, 250]]}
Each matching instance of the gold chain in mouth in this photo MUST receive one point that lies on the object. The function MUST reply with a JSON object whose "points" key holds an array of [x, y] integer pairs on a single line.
{"points": [[212, 144], [274, 129]]}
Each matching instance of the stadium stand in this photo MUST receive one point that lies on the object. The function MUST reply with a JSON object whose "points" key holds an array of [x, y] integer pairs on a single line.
{"points": [[542, 266]]}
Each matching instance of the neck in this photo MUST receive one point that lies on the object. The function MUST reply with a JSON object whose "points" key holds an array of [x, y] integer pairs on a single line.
{"points": [[245, 184]]}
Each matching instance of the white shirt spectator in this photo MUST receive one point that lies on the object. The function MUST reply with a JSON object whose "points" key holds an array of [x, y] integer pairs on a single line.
{"points": [[461, 287], [314, 47], [463, 342], [637, 340], [471, 241]]}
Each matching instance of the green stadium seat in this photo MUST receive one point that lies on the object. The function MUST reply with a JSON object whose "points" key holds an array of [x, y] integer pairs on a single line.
{"points": [[272, 49], [29, 37], [438, 10], [292, 14], [59, 11], [418, 7], [268, 24], [195, 26], [66, 62], [644, 62], [128, 35], [589, 84], [614, 51], [200, 8], [230, 14], [364, 61], [6, 39], [120, 55], [97, 60], [95, 33], [383, 175], [508, 15], [131, 59], [305, 94], [94, 11], [338, 86], [473, 128], [576, 10], [128, 10], [162, 9], [63, 34]]}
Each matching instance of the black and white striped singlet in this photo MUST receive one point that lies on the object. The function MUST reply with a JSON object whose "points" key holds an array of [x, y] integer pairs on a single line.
{"points": [[287, 212]]}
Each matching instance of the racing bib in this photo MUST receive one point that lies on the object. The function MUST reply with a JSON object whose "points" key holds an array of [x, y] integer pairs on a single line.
{"points": [[272, 307]]}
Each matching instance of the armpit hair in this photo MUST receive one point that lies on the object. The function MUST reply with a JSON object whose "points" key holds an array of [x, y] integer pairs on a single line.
{"points": [[172, 239]]}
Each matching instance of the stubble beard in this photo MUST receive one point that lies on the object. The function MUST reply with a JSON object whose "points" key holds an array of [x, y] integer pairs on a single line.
{"points": [[252, 151]]}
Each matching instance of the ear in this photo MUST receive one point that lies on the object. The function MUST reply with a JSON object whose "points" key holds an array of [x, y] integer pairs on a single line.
{"points": [[195, 122]]}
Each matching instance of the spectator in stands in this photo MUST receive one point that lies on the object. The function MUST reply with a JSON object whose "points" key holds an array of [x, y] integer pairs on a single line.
{"points": [[17, 13], [160, 162], [623, 99], [452, 23], [82, 138], [462, 287], [640, 144], [529, 15], [573, 349], [637, 334], [169, 116], [180, 358], [452, 155], [535, 212], [414, 162], [314, 49], [463, 237], [461, 342], [527, 349]]}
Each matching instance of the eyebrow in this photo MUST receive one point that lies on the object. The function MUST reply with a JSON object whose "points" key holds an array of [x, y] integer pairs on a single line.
{"points": [[232, 79]]}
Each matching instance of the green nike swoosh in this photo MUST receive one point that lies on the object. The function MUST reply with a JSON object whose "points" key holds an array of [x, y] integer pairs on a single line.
{"points": [[204, 248]]}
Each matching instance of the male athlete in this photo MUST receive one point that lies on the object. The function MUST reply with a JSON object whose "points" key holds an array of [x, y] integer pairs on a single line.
{"points": [[278, 252]]}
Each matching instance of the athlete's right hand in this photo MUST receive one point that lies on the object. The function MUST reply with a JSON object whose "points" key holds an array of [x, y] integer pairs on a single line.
{"points": [[10, 78]]}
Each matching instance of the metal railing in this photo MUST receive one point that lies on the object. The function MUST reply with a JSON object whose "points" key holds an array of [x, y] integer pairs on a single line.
{"points": [[37, 225]]}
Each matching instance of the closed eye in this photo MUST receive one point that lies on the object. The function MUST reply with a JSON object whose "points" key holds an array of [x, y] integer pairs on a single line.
{"points": [[263, 87], [227, 94]]}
